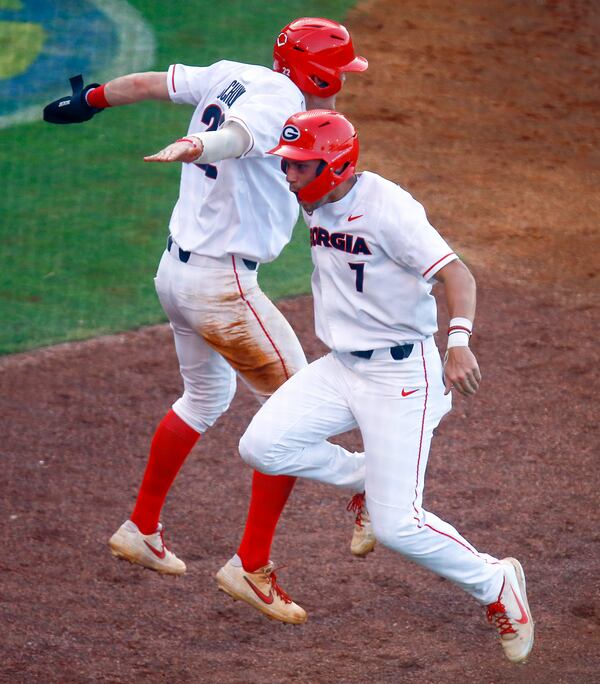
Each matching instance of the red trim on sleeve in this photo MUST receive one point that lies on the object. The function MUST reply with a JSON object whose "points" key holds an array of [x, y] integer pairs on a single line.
{"points": [[436, 263], [173, 78]]}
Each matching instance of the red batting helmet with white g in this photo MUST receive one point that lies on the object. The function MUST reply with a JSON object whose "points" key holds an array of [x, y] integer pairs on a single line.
{"points": [[314, 53], [325, 135]]}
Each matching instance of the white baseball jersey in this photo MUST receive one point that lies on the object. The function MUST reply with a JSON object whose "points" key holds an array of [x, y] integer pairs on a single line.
{"points": [[374, 253], [235, 206]]}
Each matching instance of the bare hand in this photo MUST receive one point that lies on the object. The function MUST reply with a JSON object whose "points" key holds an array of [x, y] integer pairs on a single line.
{"points": [[461, 371], [187, 150]]}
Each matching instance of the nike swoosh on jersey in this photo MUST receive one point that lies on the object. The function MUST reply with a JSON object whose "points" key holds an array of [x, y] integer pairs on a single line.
{"points": [[159, 554], [353, 218], [407, 394], [263, 597]]}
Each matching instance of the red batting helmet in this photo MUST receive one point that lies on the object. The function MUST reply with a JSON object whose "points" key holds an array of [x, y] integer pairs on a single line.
{"points": [[312, 47], [320, 134]]}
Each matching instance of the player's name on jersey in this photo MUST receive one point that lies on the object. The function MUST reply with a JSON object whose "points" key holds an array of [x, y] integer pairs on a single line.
{"points": [[345, 242], [231, 93]]}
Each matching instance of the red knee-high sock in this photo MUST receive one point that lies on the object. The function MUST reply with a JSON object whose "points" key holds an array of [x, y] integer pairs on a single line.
{"points": [[172, 442], [269, 496]]}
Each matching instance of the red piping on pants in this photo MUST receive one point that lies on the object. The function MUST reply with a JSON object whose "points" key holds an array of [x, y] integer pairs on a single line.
{"points": [[421, 436], [285, 370], [453, 539]]}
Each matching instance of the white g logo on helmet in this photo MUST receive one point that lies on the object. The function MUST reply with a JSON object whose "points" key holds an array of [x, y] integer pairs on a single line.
{"points": [[281, 39], [290, 133]]}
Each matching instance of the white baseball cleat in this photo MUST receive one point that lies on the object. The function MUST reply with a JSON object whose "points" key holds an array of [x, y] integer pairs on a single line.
{"points": [[363, 537], [148, 550], [260, 590], [510, 614]]}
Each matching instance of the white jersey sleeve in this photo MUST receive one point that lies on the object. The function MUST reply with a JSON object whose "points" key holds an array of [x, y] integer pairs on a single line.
{"points": [[188, 85], [410, 239], [264, 113]]}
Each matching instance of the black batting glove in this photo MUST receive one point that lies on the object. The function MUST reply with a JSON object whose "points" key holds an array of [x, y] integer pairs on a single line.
{"points": [[72, 108]]}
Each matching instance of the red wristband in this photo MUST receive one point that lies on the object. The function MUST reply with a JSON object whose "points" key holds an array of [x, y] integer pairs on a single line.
{"points": [[97, 98], [187, 140]]}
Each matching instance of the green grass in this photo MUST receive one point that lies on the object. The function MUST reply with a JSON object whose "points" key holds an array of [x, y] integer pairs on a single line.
{"points": [[84, 220]]}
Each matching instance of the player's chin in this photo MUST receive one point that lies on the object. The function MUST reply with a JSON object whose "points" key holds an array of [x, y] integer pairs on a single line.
{"points": [[309, 206]]}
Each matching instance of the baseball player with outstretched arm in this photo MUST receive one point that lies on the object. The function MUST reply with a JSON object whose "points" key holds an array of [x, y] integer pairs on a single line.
{"points": [[234, 212], [375, 255]]}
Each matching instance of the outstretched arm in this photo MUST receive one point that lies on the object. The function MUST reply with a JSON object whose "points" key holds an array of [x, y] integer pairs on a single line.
{"points": [[231, 140], [460, 369], [150, 85], [87, 101]]}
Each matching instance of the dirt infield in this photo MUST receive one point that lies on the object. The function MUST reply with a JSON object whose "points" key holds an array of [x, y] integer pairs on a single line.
{"points": [[485, 112]]}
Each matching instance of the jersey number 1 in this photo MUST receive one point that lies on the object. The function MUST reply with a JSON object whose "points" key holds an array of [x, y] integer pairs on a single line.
{"points": [[360, 275], [212, 116]]}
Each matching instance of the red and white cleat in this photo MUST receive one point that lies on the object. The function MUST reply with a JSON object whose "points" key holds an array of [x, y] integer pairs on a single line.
{"points": [[260, 590], [363, 538], [510, 614], [148, 550]]}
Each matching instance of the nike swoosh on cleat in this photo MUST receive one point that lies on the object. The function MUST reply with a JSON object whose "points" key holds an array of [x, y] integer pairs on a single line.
{"points": [[156, 552], [353, 218], [407, 394], [524, 619], [263, 597]]}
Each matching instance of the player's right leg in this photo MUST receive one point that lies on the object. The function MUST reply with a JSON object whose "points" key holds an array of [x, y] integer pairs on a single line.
{"points": [[288, 434], [259, 343], [209, 386]]}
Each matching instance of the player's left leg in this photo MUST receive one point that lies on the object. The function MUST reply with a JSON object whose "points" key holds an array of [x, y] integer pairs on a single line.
{"points": [[397, 437], [399, 405]]}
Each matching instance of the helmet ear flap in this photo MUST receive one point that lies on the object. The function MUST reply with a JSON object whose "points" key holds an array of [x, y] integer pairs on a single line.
{"points": [[342, 168]]}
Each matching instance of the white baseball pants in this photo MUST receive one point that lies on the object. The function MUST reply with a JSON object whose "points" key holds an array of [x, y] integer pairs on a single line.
{"points": [[223, 324], [397, 405]]}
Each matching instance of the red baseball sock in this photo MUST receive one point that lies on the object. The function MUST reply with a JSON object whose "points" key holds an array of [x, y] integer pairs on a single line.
{"points": [[172, 442], [269, 496]]}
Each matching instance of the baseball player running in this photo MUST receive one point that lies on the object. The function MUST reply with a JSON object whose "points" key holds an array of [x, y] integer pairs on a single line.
{"points": [[234, 212], [375, 255]]}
